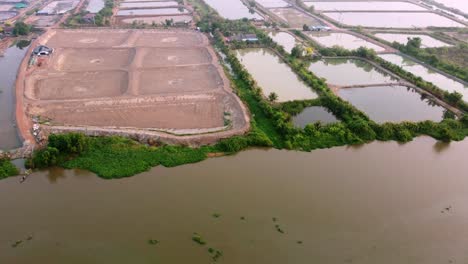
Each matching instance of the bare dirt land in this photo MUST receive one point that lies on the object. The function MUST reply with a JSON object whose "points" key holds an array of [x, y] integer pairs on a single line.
{"points": [[163, 85], [295, 18]]}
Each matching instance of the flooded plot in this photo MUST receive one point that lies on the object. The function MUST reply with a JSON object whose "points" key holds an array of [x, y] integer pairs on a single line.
{"points": [[284, 39], [427, 74], [155, 11], [45, 21], [457, 4], [272, 3], [58, 7], [426, 41], [158, 19], [232, 9], [392, 104], [9, 64], [179, 80], [273, 75], [392, 20], [79, 85], [347, 72], [364, 5], [344, 40], [312, 115], [147, 4], [92, 59], [295, 18], [95, 6], [4, 15]]}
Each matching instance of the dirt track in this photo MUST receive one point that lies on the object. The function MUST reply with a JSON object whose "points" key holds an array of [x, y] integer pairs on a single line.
{"points": [[145, 80]]}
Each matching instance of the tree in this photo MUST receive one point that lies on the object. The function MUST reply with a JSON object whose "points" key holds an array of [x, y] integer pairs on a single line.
{"points": [[414, 43], [305, 27], [21, 28], [454, 97], [297, 51], [272, 97]]}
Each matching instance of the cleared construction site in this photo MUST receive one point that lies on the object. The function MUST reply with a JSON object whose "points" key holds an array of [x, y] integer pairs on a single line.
{"points": [[152, 85]]}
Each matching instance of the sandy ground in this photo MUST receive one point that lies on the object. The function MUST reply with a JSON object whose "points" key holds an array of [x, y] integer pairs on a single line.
{"points": [[134, 80], [295, 18]]}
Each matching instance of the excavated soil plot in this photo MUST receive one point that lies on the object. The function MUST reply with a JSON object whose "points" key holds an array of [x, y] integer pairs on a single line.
{"points": [[167, 84]]}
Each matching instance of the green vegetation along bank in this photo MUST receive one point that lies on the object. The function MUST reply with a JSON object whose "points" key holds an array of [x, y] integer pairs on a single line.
{"points": [[114, 157]]}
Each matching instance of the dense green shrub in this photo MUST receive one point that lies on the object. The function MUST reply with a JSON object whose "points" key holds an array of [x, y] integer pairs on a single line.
{"points": [[7, 169]]}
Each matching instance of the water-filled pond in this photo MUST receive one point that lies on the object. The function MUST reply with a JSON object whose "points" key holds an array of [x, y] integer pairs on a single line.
{"points": [[284, 39], [347, 72], [427, 74], [9, 64], [364, 5], [312, 115], [232, 9], [377, 203], [392, 20], [155, 11], [426, 41], [272, 3], [392, 104], [273, 75], [95, 6], [147, 4], [344, 40]]}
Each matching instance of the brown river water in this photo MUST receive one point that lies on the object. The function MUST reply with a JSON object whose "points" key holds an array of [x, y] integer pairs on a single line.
{"points": [[380, 203]]}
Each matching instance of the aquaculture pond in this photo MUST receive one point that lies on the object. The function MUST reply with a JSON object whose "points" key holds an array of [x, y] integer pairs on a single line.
{"points": [[273, 75], [95, 6], [426, 41], [147, 4], [284, 39], [393, 20], [364, 5], [232, 9], [9, 64], [392, 104], [272, 3], [457, 4], [380, 203], [312, 115], [438, 79], [347, 72], [155, 11], [344, 40]]}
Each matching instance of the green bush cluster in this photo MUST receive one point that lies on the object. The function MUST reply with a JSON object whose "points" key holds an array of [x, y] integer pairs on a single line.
{"points": [[7, 169]]}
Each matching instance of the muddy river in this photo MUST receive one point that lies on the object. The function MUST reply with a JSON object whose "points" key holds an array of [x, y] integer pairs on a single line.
{"points": [[8, 67], [380, 203]]}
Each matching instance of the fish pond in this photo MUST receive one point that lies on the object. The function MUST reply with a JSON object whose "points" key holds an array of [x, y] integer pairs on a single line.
{"points": [[344, 40], [392, 104], [392, 19], [426, 41], [364, 5], [232, 9], [438, 79], [155, 11], [273, 75], [312, 115], [348, 72], [284, 39]]}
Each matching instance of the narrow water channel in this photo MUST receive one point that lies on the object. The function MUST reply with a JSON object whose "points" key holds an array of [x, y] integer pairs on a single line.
{"points": [[378, 203], [8, 68]]}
